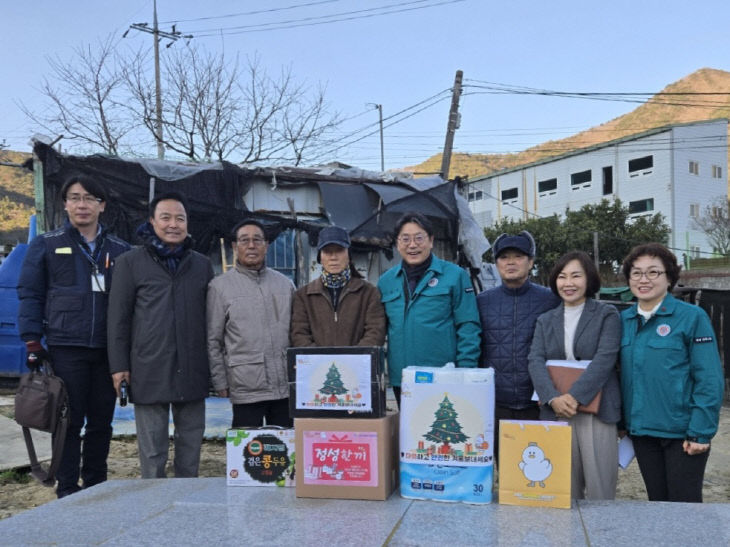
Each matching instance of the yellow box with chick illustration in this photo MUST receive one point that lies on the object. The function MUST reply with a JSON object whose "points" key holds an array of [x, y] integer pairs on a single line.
{"points": [[534, 463]]}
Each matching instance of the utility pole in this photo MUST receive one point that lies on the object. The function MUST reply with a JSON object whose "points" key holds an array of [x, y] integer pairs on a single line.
{"points": [[158, 86], [158, 35], [595, 250], [452, 126], [382, 153]]}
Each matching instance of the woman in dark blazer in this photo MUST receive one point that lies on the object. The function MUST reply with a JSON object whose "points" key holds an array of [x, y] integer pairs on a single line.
{"points": [[585, 330]]}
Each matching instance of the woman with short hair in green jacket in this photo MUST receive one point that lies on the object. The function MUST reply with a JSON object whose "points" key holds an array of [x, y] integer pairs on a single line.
{"points": [[671, 378]]}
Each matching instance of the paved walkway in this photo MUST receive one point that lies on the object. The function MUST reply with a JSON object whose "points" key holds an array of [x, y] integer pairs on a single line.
{"points": [[14, 453], [207, 512]]}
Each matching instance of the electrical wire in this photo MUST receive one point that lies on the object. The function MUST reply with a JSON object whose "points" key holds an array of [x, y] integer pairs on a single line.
{"points": [[317, 20], [248, 13], [435, 99]]}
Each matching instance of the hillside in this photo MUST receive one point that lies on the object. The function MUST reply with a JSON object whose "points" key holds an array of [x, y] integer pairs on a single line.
{"points": [[16, 199], [654, 113]]}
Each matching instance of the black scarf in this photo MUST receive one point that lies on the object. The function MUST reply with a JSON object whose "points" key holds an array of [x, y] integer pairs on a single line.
{"points": [[170, 256]]}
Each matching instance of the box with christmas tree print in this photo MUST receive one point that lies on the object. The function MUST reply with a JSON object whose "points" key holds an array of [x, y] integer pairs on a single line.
{"points": [[260, 457], [336, 382], [447, 434]]}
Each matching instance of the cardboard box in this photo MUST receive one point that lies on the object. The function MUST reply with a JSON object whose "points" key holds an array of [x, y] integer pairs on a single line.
{"points": [[347, 458], [336, 382], [260, 457], [447, 434]]}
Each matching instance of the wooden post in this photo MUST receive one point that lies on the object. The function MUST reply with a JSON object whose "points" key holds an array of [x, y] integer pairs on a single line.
{"points": [[451, 126]]}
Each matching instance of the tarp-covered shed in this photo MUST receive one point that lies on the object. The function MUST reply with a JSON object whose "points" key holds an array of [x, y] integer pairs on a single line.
{"points": [[220, 194]]}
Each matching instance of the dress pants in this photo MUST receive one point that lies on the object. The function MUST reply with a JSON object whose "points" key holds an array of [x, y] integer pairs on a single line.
{"points": [[153, 438], [594, 458], [276, 412], [669, 473], [85, 373]]}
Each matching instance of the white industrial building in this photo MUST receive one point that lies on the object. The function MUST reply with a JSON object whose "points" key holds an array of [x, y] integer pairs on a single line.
{"points": [[676, 170]]}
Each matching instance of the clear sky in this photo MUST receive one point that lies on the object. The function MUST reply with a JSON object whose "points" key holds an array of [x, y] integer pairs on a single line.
{"points": [[399, 53]]}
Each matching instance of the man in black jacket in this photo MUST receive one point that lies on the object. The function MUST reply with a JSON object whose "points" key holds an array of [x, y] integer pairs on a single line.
{"points": [[157, 337], [63, 291]]}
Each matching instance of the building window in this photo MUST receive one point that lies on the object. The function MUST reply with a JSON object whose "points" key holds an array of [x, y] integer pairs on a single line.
{"points": [[716, 172], [641, 164], [694, 210], [509, 194], [281, 255], [581, 179], [607, 180], [476, 195], [694, 167], [547, 185], [641, 206]]}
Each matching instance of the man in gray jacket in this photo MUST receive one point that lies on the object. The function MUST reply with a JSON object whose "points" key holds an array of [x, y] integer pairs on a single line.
{"points": [[248, 313], [156, 331]]}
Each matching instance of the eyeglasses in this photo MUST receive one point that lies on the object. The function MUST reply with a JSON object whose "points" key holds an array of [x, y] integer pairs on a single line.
{"points": [[418, 239], [87, 198], [651, 275], [246, 241]]}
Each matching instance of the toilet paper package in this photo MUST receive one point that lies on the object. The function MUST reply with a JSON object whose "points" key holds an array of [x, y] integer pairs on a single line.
{"points": [[447, 434]]}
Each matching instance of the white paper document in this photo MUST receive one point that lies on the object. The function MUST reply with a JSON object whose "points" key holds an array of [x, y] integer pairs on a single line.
{"points": [[625, 452]]}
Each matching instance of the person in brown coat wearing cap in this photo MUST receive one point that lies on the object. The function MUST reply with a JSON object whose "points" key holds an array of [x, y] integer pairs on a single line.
{"points": [[339, 308]]}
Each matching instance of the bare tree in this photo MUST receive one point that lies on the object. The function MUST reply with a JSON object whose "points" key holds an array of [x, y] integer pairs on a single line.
{"points": [[200, 103], [715, 223], [213, 110], [86, 97], [283, 123]]}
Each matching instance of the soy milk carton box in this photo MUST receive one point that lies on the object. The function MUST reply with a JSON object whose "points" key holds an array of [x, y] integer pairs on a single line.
{"points": [[447, 434], [260, 457]]}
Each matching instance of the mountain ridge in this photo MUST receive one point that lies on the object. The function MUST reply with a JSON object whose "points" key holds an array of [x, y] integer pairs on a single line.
{"points": [[660, 110]]}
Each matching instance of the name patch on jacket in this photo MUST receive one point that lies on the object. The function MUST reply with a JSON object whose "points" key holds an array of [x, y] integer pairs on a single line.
{"points": [[703, 339], [469, 289]]}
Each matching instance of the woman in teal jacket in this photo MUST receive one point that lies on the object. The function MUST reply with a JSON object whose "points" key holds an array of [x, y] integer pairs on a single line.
{"points": [[671, 378], [430, 305]]}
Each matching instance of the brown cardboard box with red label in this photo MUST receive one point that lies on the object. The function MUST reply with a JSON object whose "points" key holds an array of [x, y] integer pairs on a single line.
{"points": [[350, 458]]}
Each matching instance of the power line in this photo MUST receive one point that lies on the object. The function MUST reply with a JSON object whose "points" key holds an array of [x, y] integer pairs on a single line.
{"points": [[429, 102], [497, 85], [630, 97], [248, 13], [312, 21]]}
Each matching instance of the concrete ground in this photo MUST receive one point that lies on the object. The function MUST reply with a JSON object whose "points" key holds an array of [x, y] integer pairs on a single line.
{"points": [[207, 512]]}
